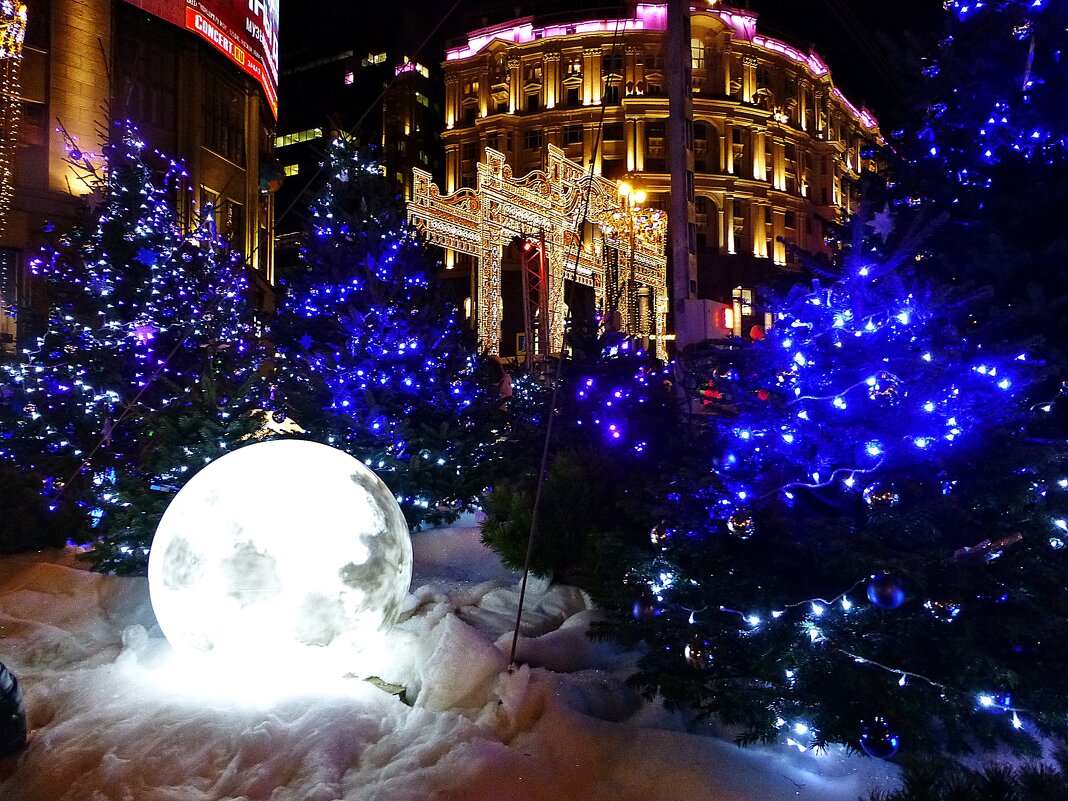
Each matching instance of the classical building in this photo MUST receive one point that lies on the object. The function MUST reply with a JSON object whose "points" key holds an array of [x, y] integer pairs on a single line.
{"points": [[777, 147], [199, 80]]}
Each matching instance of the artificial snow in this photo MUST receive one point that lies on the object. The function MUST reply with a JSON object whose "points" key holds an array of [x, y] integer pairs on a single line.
{"points": [[115, 716]]}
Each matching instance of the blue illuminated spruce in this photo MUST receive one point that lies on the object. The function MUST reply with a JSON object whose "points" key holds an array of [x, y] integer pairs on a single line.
{"points": [[143, 372], [871, 529], [373, 356], [992, 152]]}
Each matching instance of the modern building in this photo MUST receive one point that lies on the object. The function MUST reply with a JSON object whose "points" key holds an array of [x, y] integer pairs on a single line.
{"points": [[777, 147], [380, 98], [198, 78]]}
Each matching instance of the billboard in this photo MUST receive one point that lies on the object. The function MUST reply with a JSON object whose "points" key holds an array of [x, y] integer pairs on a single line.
{"points": [[245, 31]]}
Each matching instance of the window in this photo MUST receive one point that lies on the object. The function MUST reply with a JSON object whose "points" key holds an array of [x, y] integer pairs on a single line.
{"points": [[470, 88], [612, 64], [533, 104], [697, 54], [299, 136], [655, 130], [613, 131], [224, 118], [654, 62], [349, 78], [574, 66], [502, 107], [572, 134], [736, 136], [532, 139], [791, 220], [572, 95], [469, 151], [291, 169], [374, 58], [470, 113], [611, 93], [422, 99], [491, 140]]}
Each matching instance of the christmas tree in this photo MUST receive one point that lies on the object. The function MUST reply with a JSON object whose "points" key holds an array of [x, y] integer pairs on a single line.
{"points": [[145, 370], [618, 435], [373, 358], [866, 543], [992, 153]]}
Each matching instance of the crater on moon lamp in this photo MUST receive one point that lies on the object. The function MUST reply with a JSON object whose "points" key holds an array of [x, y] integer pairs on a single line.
{"points": [[280, 548]]}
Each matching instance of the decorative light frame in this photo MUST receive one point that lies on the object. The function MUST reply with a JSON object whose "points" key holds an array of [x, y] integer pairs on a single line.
{"points": [[481, 222]]}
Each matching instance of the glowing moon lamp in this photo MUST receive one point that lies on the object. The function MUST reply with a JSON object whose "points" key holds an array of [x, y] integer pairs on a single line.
{"points": [[281, 550]]}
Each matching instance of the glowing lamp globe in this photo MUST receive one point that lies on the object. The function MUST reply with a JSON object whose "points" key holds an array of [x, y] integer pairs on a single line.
{"points": [[280, 550]]}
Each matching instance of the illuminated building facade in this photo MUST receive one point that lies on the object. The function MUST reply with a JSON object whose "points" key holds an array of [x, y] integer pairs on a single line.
{"points": [[379, 98], [191, 76], [777, 147]]}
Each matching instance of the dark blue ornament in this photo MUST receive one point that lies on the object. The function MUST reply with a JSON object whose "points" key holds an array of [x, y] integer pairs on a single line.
{"points": [[886, 591], [877, 739]]}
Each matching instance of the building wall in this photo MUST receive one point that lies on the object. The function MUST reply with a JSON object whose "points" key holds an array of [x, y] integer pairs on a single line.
{"points": [[84, 59], [777, 148]]}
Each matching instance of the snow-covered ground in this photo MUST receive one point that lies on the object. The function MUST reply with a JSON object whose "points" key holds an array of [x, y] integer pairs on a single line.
{"points": [[116, 718]]}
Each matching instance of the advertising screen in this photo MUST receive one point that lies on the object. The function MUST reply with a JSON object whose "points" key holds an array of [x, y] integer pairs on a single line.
{"points": [[245, 31]]}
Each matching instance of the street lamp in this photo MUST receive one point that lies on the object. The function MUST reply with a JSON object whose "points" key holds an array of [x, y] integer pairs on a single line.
{"points": [[632, 200]]}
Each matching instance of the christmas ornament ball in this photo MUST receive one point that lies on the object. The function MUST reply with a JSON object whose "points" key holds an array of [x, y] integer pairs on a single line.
{"points": [[741, 525], [881, 495], [886, 389], [698, 653], [311, 575], [946, 611], [878, 739], [886, 591]]}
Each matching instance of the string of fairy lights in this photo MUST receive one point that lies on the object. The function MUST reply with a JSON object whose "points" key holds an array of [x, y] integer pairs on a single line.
{"points": [[12, 34]]}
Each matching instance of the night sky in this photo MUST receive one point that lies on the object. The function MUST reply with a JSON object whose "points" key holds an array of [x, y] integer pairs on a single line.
{"points": [[872, 47]]}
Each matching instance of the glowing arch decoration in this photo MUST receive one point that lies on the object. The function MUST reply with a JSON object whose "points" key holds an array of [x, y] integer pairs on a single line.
{"points": [[482, 221], [280, 553]]}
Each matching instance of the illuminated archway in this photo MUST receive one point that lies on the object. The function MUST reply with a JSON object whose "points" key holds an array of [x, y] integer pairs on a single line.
{"points": [[552, 203]]}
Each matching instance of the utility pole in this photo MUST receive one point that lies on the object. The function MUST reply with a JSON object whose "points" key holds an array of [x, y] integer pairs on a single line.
{"points": [[682, 219]]}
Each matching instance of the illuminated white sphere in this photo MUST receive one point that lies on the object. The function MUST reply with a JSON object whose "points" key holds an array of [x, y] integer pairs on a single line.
{"points": [[278, 550]]}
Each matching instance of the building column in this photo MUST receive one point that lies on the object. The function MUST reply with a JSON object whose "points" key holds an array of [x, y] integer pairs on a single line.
{"points": [[591, 76], [515, 88], [551, 79], [749, 82], [452, 167], [758, 211], [639, 144], [589, 155], [452, 101], [758, 138]]}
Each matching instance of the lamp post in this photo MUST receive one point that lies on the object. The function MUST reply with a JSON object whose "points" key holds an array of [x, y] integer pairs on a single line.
{"points": [[632, 199]]}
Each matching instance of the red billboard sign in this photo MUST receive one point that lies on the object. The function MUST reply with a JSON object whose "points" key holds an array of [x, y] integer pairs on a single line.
{"points": [[245, 31]]}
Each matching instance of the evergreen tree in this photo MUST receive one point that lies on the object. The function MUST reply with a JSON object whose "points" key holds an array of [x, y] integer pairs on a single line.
{"points": [[875, 553], [143, 372], [373, 358], [992, 153]]}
